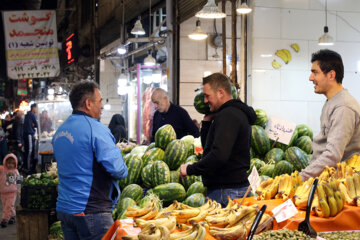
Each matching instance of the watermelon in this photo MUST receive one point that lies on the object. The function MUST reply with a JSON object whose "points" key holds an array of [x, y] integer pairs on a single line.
{"points": [[175, 176], [134, 165], [252, 153], [139, 150], [153, 154], [196, 187], [189, 139], [260, 142], [283, 146], [304, 130], [133, 191], [258, 163], [191, 159], [160, 173], [195, 200], [191, 150], [188, 180], [146, 175], [164, 135], [175, 154], [267, 170], [297, 158], [283, 167], [170, 192], [121, 207], [199, 103], [146, 201], [274, 155], [304, 143], [152, 145], [261, 118]]}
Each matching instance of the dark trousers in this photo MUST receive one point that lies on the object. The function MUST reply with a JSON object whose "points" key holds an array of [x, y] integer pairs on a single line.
{"points": [[29, 155]]}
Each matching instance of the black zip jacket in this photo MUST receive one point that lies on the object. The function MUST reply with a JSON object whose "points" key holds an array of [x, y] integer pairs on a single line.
{"points": [[226, 156]]}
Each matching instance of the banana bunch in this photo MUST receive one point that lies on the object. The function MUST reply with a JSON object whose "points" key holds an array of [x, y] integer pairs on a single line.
{"points": [[354, 162], [284, 54], [330, 199], [302, 193], [150, 232], [295, 46], [343, 170], [288, 185], [168, 222], [146, 213], [196, 232], [350, 189], [275, 64], [327, 173]]}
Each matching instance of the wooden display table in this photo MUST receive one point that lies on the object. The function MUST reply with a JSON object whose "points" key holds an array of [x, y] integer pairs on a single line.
{"points": [[32, 224]]}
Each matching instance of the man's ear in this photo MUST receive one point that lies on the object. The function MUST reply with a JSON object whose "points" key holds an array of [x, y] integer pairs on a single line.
{"points": [[88, 103], [332, 75]]}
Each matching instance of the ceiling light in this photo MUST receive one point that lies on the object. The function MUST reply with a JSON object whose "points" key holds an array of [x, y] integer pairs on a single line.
{"points": [[210, 10], [122, 80], [138, 28], [149, 60], [107, 106], [243, 8], [121, 49], [156, 74], [326, 39], [198, 33]]}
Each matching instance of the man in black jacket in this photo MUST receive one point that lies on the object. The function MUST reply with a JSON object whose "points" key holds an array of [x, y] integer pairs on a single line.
{"points": [[225, 135]]}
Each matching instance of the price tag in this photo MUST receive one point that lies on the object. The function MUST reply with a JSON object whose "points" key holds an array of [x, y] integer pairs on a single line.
{"points": [[254, 179], [285, 211], [280, 129]]}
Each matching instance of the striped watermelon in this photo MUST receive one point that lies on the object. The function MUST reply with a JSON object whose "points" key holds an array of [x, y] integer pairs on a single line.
{"points": [[191, 159], [252, 153], [170, 192], [133, 191], [195, 200], [304, 143], [121, 207], [164, 135], [261, 118], [175, 154], [258, 163], [274, 155], [175, 176], [147, 200], [188, 180], [196, 187], [267, 170], [297, 158], [146, 175], [292, 141], [260, 142], [304, 130], [152, 145], [199, 104], [283, 167], [134, 165], [153, 154], [160, 173]]}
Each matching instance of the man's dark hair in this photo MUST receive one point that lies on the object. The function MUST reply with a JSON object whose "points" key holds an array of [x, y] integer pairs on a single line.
{"points": [[32, 106], [218, 80], [329, 60], [80, 92]]}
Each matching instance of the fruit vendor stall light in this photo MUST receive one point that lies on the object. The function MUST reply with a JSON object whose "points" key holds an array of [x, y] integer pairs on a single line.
{"points": [[326, 39], [198, 33], [243, 8], [210, 10]]}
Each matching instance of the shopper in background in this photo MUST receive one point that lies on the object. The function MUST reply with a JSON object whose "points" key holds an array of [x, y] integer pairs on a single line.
{"points": [[30, 135], [89, 165], [45, 122], [16, 139], [339, 136], [225, 135], [117, 127], [8, 189], [169, 113]]}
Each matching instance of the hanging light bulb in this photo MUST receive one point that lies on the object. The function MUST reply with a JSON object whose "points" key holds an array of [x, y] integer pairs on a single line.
{"points": [[198, 33], [326, 39], [122, 80], [243, 8], [107, 106], [149, 60], [138, 28], [121, 49], [156, 75], [210, 10]]}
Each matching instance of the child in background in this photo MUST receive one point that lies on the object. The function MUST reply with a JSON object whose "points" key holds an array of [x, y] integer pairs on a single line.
{"points": [[8, 188]]}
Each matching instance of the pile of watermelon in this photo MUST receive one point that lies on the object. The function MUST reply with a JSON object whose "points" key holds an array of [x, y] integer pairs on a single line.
{"points": [[273, 158], [155, 169]]}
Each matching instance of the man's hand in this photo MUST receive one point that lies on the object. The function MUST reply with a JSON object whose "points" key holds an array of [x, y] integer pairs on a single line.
{"points": [[183, 172]]}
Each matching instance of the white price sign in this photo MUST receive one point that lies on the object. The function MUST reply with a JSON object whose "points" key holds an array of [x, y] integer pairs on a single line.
{"points": [[254, 179], [285, 211], [280, 129]]}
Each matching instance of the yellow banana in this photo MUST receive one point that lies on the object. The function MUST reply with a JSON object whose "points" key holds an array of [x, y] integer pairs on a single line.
{"points": [[275, 64], [262, 187], [236, 232], [339, 200], [180, 235], [345, 194], [288, 54], [200, 217], [186, 213], [331, 200], [350, 186], [356, 179], [201, 232], [150, 232], [301, 197], [230, 202], [137, 212], [324, 210], [152, 214], [284, 54], [295, 46]]}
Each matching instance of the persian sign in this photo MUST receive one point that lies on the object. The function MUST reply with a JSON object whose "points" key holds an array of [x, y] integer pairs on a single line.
{"points": [[280, 129], [31, 44]]}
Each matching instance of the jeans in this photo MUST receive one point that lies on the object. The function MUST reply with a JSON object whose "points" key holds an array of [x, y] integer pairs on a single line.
{"points": [[88, 227], [220, 195]]}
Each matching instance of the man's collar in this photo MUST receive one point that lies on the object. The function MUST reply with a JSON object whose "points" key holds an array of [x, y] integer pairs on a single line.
{"points": [[80, 113]]}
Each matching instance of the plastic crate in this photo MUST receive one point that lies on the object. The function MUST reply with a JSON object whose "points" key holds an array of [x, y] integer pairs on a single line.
{"points": [[38, 197]]}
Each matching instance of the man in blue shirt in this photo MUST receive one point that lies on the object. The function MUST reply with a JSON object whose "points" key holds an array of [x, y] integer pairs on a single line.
{"points": [[30, 128], [169, 113], [89, 165]]}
